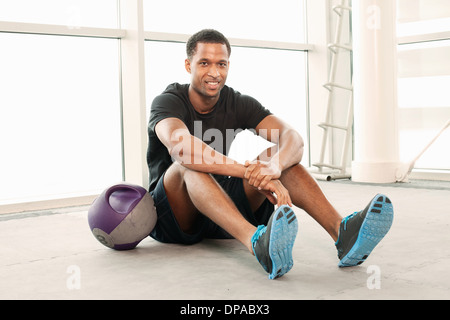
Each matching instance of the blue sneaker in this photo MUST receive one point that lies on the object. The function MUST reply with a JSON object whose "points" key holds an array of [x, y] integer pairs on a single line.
{"points": [[360, 232], [272, 244]]}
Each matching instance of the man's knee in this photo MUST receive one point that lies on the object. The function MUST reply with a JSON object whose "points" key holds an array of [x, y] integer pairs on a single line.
{"points": [[296, 173], [181, 173], [176, 168], [296, 168]]}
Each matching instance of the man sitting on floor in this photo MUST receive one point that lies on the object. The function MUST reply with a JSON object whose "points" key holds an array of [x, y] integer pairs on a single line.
{"points": [[200, 193]]}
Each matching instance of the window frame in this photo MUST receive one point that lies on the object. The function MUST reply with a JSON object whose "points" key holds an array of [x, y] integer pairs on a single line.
{"points": [[427, 174], [132, 36]]}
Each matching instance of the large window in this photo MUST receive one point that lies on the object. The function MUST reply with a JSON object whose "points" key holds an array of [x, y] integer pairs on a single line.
{"points": [[424, 79], [275, 77], [70, 13], [268, 20], [60, 110], [69, 68], [59, 116]]}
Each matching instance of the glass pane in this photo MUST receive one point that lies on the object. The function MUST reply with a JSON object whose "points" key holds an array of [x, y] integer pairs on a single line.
{"points": [[164, 65], [424, 103], [416, 10], [422, 17], [423, 27], [276, 78], [424, 59], [281, 20], [70, 13], [60, 127]]}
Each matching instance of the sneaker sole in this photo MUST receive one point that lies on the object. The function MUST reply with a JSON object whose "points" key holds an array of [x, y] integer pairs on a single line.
{"points": [[375, 226], [282, 237]]}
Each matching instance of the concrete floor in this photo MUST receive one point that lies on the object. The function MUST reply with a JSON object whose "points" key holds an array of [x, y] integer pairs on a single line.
{"points": [[53, 255]]}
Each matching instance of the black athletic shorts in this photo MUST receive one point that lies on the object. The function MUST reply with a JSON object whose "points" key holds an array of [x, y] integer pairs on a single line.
{"points": [[167, 229]]}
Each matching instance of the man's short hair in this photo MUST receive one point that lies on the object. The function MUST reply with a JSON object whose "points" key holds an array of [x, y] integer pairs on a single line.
{"points": [[206, 36]]}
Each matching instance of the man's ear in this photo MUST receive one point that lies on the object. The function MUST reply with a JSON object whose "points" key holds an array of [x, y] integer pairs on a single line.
{"points": [[187, 65]]}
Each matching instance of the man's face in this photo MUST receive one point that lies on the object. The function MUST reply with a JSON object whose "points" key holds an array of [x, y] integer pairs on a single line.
{"points": [[209, 69]]}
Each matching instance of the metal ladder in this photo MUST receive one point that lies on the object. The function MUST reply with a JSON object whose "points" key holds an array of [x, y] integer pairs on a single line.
{"points": [[337, 171]]}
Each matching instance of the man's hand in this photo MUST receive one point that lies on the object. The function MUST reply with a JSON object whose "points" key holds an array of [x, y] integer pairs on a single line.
{"points": [[260, 173], [264, 176], [277, 193]]}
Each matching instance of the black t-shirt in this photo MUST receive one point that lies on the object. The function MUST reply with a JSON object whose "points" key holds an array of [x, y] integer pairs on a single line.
{"points": [[232, 113]]}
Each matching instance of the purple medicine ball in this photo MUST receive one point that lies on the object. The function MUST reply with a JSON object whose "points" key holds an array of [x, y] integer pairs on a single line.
{"points": [[122, 216]]}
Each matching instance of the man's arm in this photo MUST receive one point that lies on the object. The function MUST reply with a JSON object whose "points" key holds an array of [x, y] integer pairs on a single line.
{"points": [[287, 152], [196, 155], [192, 152]]}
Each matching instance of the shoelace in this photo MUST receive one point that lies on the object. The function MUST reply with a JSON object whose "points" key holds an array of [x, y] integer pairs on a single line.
{"points": [[348, 218], [258, 233]]}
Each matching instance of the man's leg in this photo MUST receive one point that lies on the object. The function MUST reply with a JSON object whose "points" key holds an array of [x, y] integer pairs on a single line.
{"points": [[191, 192], [307, 195], [355, 236], [304, 192]]}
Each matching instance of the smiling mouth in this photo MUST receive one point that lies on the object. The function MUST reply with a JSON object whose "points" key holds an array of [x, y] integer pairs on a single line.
{"points": [[212, 84]]}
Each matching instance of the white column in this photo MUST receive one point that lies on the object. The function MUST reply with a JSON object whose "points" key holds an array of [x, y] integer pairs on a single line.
{"points": [[133, 92], [318, 23], [375, 91]]}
